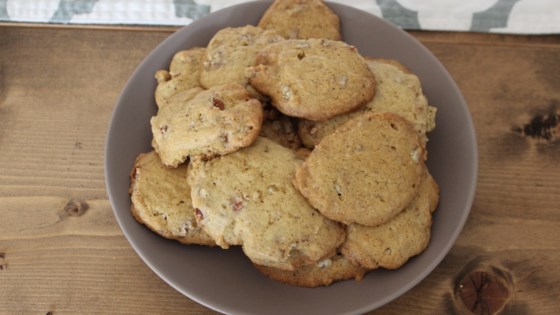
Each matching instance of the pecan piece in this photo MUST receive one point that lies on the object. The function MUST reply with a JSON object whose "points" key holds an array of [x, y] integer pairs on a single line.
{"points": [[218, 103]]}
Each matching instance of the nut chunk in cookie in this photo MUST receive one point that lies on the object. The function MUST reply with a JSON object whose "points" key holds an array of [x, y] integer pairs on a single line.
{"points": [[161, 200], [301, 19], [214, 122], [314, 79], [366, 172], [230, 51], [247, 198], [390, 245], [183, 74]]}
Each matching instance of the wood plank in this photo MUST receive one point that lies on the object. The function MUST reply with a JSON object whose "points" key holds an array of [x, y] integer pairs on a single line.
{"points": [[58, 89], [492, 39], [105, 27], [515, 220], [61, 250]]}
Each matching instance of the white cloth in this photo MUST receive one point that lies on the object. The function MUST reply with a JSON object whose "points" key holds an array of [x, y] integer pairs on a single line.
{"points": [[499, 16]]}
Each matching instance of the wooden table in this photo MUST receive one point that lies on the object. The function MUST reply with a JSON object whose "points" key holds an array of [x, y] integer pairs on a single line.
{"points": [[62, 252]]}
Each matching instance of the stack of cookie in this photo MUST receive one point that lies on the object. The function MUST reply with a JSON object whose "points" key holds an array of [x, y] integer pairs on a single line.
{"points": [[284, 140]]}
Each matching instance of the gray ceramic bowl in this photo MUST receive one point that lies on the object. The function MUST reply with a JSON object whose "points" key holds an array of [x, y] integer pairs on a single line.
{"points": [[225, 280]]}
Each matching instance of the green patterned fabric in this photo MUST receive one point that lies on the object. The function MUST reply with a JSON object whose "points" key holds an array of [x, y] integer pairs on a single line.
{"points": [[500, 16]]}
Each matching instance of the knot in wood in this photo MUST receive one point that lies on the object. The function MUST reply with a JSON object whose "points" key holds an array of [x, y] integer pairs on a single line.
{"points": [[3, 264], [542, 127], [75, 208], [483, 292]]}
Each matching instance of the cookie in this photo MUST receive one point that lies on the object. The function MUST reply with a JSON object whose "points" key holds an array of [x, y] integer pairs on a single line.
{"points": [[247, 198], [183, 74], [398, 91], [323, 273], [280, 129], [314, 79], [161, 200], [392, 244], [184, 96], [301, 19], [230, 51], [214, 122], [366, 172]]}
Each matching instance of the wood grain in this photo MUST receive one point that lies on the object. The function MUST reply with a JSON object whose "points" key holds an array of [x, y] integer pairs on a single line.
{"points": [[61, 250], [59, 87]]}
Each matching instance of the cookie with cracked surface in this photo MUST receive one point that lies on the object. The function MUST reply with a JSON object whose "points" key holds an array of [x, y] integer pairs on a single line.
{"points": [[314, 79], [214, 122], [365, 172], [161, 200], [247, 198], [301, 19], [230, 51], [183, 74], [398, 91], [323, 273], [392, 244]]}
